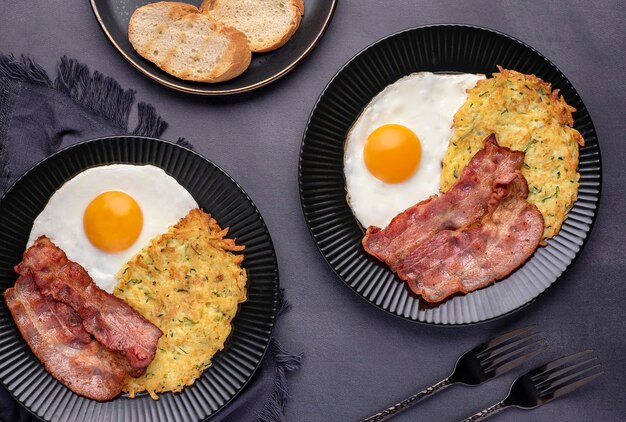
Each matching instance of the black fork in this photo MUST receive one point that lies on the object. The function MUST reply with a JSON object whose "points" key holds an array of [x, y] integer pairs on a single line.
{"points": [[482, 363], [546, 383]]}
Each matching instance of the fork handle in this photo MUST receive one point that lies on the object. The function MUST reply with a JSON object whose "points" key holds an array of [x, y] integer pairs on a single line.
{"points": [[397, 408], [488, 412]]}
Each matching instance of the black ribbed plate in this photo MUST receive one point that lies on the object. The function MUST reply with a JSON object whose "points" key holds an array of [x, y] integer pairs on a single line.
{"points": [[114, 15], [435, 48], [28, 381]]}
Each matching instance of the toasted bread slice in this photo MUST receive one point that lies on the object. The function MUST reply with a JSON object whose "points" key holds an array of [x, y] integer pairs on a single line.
{"points": [[188, 44], [268, 23]]}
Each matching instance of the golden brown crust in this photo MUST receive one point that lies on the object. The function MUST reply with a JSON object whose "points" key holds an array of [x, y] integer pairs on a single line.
{"points": [[239, 54], [206, 6], [300, 5]]}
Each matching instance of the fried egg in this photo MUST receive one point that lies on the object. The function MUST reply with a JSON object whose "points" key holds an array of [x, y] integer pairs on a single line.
{"points": [[394, 150], [105, 215]]}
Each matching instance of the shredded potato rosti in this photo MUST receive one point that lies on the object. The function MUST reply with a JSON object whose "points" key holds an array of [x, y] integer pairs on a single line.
{"points": [[189, 284], [526, 115]]}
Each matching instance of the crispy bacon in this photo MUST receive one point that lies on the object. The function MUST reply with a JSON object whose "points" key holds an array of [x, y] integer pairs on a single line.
{"points": [[464, 203], [56, 336], [476, 233], [110, 320], [475, 256]]}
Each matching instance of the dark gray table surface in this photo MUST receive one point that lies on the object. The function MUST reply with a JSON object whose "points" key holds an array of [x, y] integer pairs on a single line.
{"points": [[357, 357]]}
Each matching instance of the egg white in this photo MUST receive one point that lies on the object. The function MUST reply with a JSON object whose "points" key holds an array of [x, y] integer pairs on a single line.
{"points": [[423, 102], [162, 201]]}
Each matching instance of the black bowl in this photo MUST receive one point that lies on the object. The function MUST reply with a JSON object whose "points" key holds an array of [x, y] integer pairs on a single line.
{"points": [[214, 191], [113, 17], [435, 48]]}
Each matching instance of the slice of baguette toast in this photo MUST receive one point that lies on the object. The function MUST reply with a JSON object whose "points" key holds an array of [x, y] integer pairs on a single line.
{"points": [[268, 23], [188, 44]]}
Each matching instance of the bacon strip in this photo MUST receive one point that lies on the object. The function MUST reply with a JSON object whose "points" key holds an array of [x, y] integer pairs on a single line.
{"points": [[56, 336], [476, 233], [109, 319], [463, 204], [475, 256]]}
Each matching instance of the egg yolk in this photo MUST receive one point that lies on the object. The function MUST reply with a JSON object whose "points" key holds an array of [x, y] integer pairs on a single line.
{"points": [[113, 221], [392, 153]]}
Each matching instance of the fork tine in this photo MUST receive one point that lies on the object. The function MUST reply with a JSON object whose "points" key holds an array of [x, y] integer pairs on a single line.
{"points": [[502, 369], [554, 374], [563, 382], [575, 385], [547, 368], [506, 337], [498, 350], [502, 359]]}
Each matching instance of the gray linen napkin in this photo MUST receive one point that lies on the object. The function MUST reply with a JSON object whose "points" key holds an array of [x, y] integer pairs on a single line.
{"points": [[38, 116]]}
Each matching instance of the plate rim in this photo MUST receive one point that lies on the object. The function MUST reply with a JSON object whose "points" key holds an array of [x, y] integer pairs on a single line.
{"points": [[216, 92], [300, 186], [276, 293]]}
